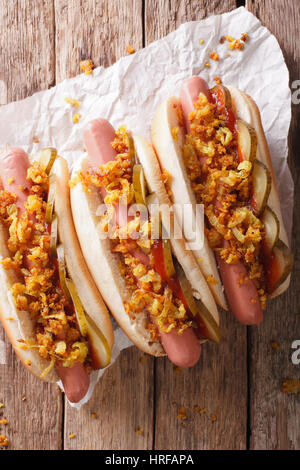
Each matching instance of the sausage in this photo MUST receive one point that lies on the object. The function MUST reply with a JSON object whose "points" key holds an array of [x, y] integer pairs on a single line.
{"points": [[98, 136], [241, 291], [76, 381], [14, 163], [183, 350], [189, 94]]}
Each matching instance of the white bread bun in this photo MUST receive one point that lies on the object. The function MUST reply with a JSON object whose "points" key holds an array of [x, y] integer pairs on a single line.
{"points": [[185, 257], [77, 269], [246, 109], [170, 155], [169, 151], [104, 265]]}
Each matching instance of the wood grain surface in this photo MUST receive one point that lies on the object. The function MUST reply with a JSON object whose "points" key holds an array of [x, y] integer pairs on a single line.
{"points": [[36, 422], [163, 16], [275, 416], [95, 29], [232, 399]]}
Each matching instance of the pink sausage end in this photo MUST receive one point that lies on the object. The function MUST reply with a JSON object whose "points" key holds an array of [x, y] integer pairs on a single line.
{"points": [[75, 380], [97, 136], [189, 94], [14, 163], [242, 296], [183, 350]]}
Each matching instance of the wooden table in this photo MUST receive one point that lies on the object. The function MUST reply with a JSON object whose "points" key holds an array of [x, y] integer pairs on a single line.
{"points": [[238, 382]]}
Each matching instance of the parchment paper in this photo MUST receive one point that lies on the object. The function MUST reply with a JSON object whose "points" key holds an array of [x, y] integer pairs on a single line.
{"points": [[129, 91]]}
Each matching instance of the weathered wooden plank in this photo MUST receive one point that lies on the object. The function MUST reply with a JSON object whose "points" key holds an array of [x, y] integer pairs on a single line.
{"points": [[98, 29], [27, 28], [213, 394], [26, 47], [124, 397], [123, 402], [219, 382], [275, 416], [162, 17]]}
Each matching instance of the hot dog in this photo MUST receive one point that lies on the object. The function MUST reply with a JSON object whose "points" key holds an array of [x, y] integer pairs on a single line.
{"points": [[219, 157], [147, 283], [50, 308]]}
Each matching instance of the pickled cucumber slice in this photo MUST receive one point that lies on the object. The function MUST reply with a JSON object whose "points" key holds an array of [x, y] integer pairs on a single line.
{"points": [[168, 258], [131, 150], [51, 199], [46, 157], [208, 328], [79, 311], [186, 289], [247, 141], [207, 325], [271, 229], [155, 216], [278, 266], [222, 96], [139, 184], [62, 271], [262, 180]]}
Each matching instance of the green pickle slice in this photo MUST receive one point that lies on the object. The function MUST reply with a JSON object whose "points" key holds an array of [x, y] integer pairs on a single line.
{"points": [[207, 323], [62, 271], [281, 261], [51, 199], [204, 319], [139, 184], [271, 228], [168, 258], [186, 289], [79, 311], [131, 150], [247, 140], [46, 157], [262, 182], [223, 96]]}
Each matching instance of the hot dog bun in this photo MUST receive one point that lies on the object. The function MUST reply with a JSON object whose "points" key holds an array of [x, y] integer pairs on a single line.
{"points": [[22, 327], [104, 265], [167, 118], [169, 151], [76, 265], [246, 108]]}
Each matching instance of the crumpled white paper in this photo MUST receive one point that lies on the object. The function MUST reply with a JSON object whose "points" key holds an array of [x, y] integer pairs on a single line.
{"points": [[129, 91]]}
